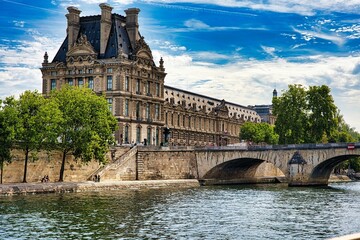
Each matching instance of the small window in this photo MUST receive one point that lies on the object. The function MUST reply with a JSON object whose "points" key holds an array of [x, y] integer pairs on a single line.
{"points": [[109, 70]]}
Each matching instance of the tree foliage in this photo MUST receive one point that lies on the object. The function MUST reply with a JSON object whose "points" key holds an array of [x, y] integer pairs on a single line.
{"points": [[291, 111], [305, 115], [87, 125], [8, 122], [37, 120], [258, 133]]}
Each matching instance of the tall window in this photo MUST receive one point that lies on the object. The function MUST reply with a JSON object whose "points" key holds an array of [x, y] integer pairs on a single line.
{"points": [[149, 136], [126, 107], [148, 88], [138, 86], [126, 134], [138, 134], [157, 137], [109, 83], [178, 120], [127, 82], [157, 89], [53, 84], [148, 111], [91, 82], [138, 110], [80, 82], [110, 102], [157, 111]]}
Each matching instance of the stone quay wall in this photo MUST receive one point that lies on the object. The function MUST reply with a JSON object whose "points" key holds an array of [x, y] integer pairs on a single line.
{"points": [[124, 164]]}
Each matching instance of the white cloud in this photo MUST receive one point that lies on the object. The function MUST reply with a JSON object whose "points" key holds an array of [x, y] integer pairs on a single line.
{"points": [[20, 63], [249, 82], [19, 23], [304, 7], [309, 35], [196, 24]]}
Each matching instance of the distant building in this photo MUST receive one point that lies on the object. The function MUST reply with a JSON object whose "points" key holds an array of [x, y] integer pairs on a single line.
{"points": [[108, 54], [266, 111]]}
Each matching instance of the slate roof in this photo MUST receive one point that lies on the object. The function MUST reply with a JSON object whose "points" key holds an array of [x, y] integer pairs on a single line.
{"points": [[90, 26]]}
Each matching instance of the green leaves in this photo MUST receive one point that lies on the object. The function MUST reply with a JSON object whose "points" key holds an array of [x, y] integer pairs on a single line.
{"points": [[87, 125], [258, 133], [306, 115]]}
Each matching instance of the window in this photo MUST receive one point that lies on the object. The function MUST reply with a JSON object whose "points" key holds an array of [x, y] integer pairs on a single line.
{"points": [[157, 89], [109, 70], [138, 110], [90, 71], [148, 111], [126, 134], [138, 134], [178, 120], [70, 81], [80, 71], [149, 136], [127, 82], [157, 111], [80, 82], [110, 102], [157, 137], [148, 88], [70, 72], [126, 107], [138, 86], [53, 84], [53, 73], [109, 83], [91, 82]]}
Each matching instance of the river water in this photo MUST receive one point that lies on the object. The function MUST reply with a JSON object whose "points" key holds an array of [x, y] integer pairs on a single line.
{"points": [[272, 211]]}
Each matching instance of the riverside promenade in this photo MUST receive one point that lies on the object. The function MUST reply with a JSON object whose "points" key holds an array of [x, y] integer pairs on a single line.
{"points": [[90, 186]]}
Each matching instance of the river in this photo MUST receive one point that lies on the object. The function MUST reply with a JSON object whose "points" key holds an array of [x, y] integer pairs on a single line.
{"points": [[272, 211]]}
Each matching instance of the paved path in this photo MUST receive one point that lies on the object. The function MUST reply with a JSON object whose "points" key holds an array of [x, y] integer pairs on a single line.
{"points": [[58, 187]]}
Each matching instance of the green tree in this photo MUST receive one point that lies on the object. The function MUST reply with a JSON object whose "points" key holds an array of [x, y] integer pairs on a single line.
{"points": [[291, 112], [8, 121], [322, 114], [38, 120], [87, 126], [258, 133]]}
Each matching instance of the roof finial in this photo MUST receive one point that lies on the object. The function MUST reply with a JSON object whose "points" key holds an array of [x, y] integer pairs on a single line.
{"points": [[161, 63], [46, 58]]}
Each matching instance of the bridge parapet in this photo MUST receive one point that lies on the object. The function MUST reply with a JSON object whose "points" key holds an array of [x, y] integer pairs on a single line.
{"points": [[252, 147]]}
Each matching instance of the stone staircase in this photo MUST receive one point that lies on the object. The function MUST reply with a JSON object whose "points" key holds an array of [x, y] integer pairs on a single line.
{"points": [[123, 168]]}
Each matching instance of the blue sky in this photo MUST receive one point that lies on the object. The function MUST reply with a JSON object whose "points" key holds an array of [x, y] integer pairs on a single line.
{"points": [[236, 50]]}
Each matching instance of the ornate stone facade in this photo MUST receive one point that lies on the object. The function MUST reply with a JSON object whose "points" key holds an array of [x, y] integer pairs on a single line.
{"points": [[107, 54]]}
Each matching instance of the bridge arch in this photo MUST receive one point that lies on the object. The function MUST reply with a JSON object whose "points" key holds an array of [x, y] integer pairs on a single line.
{"points": [[322, 171]]}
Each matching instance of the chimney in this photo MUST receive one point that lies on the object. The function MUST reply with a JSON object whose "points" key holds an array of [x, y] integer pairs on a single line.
{"points": [[73, 25], [132, 25], [105, 26]]}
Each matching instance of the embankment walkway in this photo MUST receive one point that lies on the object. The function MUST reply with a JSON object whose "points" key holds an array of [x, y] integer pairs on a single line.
{"points": [[61, 187]]}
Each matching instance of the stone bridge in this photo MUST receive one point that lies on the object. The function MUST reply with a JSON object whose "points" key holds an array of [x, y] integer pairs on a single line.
{"points": [[306, 164]]}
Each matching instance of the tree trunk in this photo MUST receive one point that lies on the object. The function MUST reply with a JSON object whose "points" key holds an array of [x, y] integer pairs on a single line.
{"points": [[2, 171], [26, 162], [62, 169]]}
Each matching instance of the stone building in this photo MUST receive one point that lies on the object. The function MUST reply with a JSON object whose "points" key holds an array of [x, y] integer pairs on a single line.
{"points": [[195, 119], [108, 54]]}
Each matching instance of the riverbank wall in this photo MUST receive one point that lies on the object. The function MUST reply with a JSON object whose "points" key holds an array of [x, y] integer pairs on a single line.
{"points": [[89, 186], [124, 164]]}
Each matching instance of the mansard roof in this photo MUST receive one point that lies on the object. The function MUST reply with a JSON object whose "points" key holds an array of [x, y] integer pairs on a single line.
{"points": [[90, 27]]}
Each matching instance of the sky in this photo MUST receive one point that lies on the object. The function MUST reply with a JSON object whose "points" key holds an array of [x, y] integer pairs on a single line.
{"points": [[227, 49]]}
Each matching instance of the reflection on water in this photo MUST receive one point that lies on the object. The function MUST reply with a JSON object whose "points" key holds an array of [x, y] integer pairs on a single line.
{"points": [[227, 212]]}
